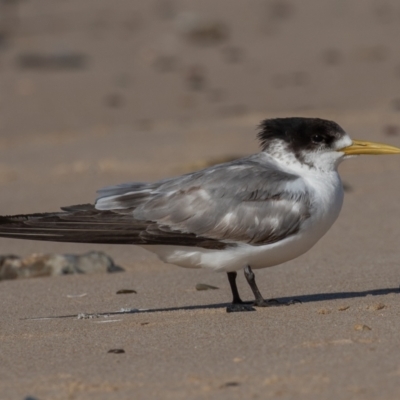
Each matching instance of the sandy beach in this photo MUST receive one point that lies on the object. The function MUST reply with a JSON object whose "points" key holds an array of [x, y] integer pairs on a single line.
{"points": [[94, 94]]}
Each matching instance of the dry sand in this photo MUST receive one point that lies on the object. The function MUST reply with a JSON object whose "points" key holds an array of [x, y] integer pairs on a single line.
{"points": [[62, 137]]}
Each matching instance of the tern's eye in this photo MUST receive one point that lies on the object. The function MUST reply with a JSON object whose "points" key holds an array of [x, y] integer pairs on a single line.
{"points": [[317, 138]]}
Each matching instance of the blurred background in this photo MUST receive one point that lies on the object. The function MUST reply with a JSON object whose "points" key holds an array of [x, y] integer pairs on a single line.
{"points": [[95, 93], [98, 92], [84, 65]]}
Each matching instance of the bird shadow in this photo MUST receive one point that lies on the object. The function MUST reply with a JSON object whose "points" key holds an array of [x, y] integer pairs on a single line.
{"points": [[311, 298], [281, 301]]}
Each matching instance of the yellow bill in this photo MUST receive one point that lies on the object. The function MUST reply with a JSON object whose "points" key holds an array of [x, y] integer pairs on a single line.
{"points": [[363, 147]]}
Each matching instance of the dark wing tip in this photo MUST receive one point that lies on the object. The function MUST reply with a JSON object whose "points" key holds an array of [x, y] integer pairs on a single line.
{"points": [[79, 207]]}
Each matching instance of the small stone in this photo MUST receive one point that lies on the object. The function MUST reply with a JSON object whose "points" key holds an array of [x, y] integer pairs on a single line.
{"points": [[144, 323], [361, 327], [343, 308], [74, 296], [126, 291], [200, 30], [230, 384], [376, 307], [324, 311], [204, 286], [116, 351]]}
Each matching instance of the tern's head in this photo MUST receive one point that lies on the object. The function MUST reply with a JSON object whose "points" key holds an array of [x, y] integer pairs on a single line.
{"points": [[313, 143]]}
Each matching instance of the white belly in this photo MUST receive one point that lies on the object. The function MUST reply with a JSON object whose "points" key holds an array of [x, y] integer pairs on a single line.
{"points": [[327, 203]]}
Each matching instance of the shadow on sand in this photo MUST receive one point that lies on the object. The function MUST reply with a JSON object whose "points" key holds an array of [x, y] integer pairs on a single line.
{"points": [[307, 298]]}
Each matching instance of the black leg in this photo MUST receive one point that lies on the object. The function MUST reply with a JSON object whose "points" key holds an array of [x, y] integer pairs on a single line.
{"points": [[232, 281], [249, 274], [237, 303]]}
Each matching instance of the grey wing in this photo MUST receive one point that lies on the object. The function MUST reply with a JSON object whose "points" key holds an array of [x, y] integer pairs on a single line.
{"points": [[248, 200]]}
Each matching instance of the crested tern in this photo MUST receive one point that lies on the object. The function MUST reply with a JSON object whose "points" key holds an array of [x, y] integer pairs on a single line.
{"points": [[254, 212]]}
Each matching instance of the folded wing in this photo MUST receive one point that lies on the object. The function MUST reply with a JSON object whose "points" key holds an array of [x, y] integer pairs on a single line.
{"points": [[247, 200]]}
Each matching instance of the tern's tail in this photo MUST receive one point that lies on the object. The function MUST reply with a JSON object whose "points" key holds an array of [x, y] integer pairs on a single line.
{"points": [[80, 224], [85, 224]]}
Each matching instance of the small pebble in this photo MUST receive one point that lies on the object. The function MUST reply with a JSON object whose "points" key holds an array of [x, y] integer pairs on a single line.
{"points": [[361, 327], [204, 286], [126, 291], [200, 31], [230, 384], [376, 307], [116, 351], [72, 296]]}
